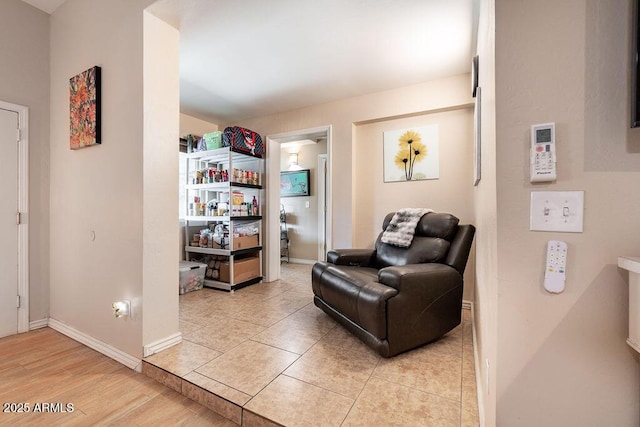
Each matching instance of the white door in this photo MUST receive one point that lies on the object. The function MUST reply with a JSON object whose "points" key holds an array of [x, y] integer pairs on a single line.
{"points": [[8, 223]]}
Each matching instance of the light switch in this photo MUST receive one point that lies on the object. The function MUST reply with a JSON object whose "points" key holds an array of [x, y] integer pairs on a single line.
{"points": [[557, 211], [306, 204]]}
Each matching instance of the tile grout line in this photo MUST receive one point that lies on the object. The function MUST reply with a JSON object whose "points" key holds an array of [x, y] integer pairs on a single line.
{"points": [[361, 390]]}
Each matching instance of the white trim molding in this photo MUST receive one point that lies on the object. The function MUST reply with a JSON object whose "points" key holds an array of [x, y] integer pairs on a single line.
{"points": [[633, 345], [162, 344], [302, 261], [99, 346], [38, 324], [480, 390], [23, 208]]}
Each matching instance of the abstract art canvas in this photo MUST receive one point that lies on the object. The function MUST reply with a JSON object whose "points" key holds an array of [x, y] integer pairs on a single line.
{"points": [[411, 154], [84, 104]]}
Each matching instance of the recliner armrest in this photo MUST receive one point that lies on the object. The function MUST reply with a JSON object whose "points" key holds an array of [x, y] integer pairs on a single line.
{"points": [[428, 303], [412, 275], [353, 257]]}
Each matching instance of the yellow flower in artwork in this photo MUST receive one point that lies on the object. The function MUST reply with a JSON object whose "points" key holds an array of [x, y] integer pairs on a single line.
{"points": [[419, 151], [411, 150], [402, 158], [408, 138]]}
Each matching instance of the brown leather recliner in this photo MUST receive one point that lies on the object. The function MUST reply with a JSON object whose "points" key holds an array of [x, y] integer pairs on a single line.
{"points": [[395, 299]]}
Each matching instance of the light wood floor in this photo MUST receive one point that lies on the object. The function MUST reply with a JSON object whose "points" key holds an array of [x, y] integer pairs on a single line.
{"points": [[44, 366]]}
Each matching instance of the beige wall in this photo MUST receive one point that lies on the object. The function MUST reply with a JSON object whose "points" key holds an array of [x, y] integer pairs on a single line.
{"points": [[562, 359], [191, 125], [160, 191], [303, 221], [342, 115], [24, 80], [486, 292], [99, 189], [452, 192]]}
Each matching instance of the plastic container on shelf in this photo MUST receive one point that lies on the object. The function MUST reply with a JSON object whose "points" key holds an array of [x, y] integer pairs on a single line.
{"points": [[191, 276]]}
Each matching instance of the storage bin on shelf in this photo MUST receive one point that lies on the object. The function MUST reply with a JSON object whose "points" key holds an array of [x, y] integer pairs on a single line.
{"points": [[191, 276], [213, 140]]}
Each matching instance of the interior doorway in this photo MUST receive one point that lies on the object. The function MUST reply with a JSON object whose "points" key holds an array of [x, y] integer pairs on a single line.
{"points": [[14, 291], [320, 184], [323, 212]]}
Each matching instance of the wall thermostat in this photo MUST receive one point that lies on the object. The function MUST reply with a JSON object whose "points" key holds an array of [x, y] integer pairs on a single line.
{"points": [[543, 152]]}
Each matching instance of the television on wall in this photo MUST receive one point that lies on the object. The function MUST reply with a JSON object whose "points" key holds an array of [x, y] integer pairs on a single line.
{"points": [[635, 68], [295, 183]]}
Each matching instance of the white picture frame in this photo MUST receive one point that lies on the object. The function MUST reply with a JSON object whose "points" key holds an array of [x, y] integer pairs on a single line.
{"points": [[424, 165], [477, 140]]}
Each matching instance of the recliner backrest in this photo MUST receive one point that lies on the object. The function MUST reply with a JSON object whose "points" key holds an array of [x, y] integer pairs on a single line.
{"points": [[431, 242]]}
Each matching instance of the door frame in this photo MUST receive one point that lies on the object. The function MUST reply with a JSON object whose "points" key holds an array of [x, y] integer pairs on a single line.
{"points": [[23, 208], [272, 232], [323, 165]]}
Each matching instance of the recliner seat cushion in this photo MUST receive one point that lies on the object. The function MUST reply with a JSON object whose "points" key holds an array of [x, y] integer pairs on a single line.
{"points": [[355, 292]]}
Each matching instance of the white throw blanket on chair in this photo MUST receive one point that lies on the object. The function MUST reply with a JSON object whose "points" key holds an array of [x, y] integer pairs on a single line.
{"points": [[402, 227]]}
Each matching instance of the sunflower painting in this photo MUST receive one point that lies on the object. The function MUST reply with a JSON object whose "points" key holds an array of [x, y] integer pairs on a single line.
{"points": [[411, 154], [84, 103]]}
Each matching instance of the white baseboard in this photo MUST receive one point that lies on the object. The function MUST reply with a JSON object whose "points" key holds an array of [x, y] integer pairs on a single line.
{"points": [[302, 261], [476, 358], [162, 344], [37, 324], [467, 305], [109, 351]]}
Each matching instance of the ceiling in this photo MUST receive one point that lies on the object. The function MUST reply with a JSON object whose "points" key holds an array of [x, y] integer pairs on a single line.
{"points": [[249, 58]]}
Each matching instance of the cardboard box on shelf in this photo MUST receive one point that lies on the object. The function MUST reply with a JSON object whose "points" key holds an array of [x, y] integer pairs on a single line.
{"points": [[245, 242], [243, 269]]}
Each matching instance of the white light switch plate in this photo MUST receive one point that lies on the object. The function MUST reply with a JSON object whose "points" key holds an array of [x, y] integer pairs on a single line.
{"points": [[557, 211]]}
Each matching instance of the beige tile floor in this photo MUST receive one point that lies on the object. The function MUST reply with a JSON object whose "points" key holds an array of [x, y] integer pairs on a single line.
{"points": [[265, 355]]}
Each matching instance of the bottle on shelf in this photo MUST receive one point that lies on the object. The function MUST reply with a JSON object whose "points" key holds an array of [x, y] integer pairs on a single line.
{"points": [[254, 206], [189, 143]]}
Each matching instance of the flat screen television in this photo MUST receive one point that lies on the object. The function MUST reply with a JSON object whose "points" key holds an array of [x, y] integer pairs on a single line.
{"points": [[295, 183], [635, 69]]}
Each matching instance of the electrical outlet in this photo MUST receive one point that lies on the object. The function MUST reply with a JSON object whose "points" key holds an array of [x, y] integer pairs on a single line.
{"points": [[121, 308]]}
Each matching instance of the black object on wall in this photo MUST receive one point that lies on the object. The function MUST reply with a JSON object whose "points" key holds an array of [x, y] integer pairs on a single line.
{"points": [[635, 69], [295, 183]]}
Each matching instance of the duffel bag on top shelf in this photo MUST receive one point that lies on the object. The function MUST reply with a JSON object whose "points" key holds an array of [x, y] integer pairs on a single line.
{"points": [[243, 139]]}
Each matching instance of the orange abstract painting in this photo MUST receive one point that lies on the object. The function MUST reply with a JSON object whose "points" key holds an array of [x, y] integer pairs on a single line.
{"points": [[84, 102]]}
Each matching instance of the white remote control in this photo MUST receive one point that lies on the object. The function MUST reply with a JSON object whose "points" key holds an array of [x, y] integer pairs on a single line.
{"points": [[543, 152], [554, 274]]}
